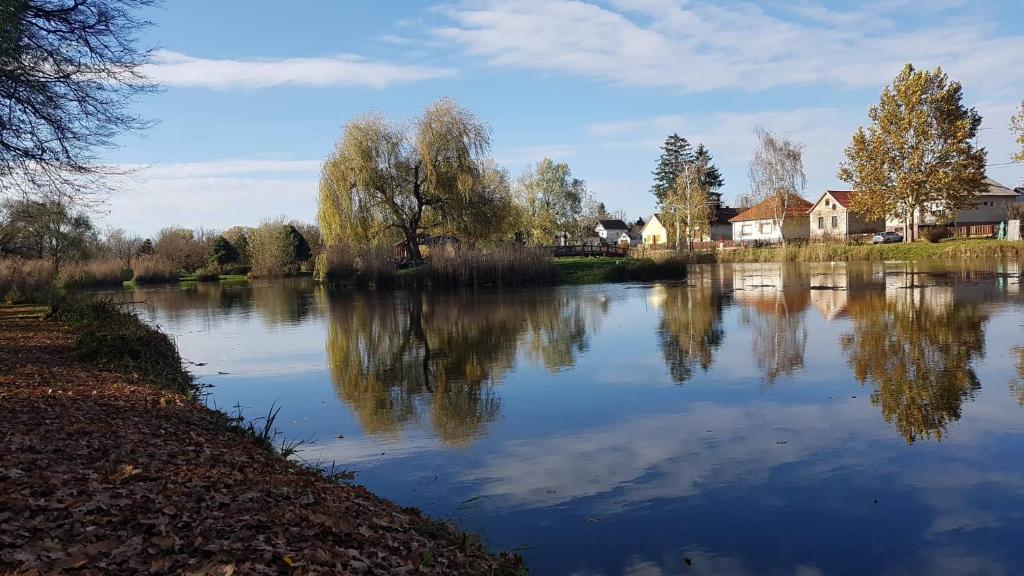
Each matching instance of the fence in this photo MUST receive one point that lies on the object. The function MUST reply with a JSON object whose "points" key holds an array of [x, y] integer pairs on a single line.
{"points": [[587, 250], [975, 230]]}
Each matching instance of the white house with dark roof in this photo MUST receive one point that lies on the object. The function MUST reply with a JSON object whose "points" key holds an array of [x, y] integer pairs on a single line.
{"points": [[613, 231]]}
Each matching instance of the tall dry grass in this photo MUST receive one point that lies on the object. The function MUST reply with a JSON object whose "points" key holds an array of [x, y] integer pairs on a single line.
{"points": [[505, 266], [93, 274], [24, 280], [367, 266], [155, 270]]}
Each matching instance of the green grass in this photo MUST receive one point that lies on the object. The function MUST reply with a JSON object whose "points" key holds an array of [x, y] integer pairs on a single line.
{"points": [[598, 270], [118, 340], [959, 249]]}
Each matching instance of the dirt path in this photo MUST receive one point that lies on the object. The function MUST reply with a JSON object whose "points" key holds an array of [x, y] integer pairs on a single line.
{"points": [[102, 474]]}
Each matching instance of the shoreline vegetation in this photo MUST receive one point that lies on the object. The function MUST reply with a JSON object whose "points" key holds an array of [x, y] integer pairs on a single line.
{"points": [[951, 250], [112, 463]]}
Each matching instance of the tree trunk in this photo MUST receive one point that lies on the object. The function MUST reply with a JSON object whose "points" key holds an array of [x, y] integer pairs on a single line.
{"points": [[412, 247], [678, 241]]}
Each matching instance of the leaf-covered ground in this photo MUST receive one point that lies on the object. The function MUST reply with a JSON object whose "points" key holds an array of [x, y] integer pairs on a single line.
{"points": [[103, 474]]}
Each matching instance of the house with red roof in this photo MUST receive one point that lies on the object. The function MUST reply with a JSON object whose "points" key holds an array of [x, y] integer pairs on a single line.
{"points": [[830, 217], [757, 224]]}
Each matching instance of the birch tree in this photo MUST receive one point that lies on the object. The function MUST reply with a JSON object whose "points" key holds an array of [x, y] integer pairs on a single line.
{"points": [[917, 158], [776, 174], [690, 203]]}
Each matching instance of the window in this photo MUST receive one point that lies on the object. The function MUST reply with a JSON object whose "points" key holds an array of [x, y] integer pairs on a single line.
{"points": [[821, 222], [766, 227], [746, 229], [835, 221]]}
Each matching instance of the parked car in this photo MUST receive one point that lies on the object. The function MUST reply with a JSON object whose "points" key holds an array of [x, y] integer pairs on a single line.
{"points": [[886, 238]]}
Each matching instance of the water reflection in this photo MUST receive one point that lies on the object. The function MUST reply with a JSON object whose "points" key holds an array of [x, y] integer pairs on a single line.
{"points": [[690, 330], [395, 356], [774, 299], [917, 350]]}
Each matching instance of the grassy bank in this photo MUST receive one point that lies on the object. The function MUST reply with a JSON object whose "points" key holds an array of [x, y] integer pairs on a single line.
{"points": [[953, 250], [598, 270], [110, 464]]}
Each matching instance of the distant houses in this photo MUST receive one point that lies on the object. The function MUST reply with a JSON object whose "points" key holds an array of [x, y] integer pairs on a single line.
{"points": [[656, 230], [991, 207]]}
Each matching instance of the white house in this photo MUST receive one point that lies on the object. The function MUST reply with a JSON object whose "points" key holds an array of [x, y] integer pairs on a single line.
{"points": [[757, 224], [613, 231], [989, 208]]}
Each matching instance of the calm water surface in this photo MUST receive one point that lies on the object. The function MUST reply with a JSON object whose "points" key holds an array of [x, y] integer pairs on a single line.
{"points": [[757, 419]]}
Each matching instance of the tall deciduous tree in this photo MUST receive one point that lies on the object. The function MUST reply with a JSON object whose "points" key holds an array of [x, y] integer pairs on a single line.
{"points": [[690, 204], [553, 201], [777, 175], [69, 71], [916, 159], [1017, 127], [124, 246], [387, 180]]}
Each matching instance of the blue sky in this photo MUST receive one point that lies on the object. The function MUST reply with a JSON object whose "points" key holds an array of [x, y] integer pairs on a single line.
{"points": [[256, 94]]}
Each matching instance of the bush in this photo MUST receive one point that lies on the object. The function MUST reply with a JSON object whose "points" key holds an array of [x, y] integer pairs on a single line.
{"points": [[935, 233], [222, 252], [119, 340], [208, 273], [25, 280], [272, 250], [93, 274], [155, 270]]}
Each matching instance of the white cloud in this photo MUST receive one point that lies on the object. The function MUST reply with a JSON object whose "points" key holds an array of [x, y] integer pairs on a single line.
{"points": [[700, 46], [216, 194], [177, 69]]}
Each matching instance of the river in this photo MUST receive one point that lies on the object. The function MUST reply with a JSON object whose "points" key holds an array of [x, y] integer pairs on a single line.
{"points": [[754, 419]]}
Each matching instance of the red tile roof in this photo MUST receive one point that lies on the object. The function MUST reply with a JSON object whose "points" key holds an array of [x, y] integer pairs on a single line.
{"points": [[764, 211], [844, 197]]}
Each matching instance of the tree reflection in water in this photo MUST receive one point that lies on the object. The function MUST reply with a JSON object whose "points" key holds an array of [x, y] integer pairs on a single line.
{"points": [[690, 330], [916, 348], [1017, 388], [774, 298], [395, 357]]}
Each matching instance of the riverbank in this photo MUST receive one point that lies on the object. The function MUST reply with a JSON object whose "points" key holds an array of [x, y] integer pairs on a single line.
{"points": [[953, 250], [106, 470]]}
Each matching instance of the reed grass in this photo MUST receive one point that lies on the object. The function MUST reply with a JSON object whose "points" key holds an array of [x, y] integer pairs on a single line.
{"points": [[155, 270], [24, 281], [506, 266], [93, 274]]}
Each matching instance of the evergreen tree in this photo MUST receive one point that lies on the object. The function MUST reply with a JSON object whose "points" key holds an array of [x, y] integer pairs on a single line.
{"points": [[298, 246], [675, 154], [712, 179], [223, 252]]}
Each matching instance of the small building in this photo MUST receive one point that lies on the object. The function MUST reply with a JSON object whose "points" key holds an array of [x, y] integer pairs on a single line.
{"points": [[721, 227], [830, 217], [654, 231], [757, 224], [611, 230], [990, 207]]}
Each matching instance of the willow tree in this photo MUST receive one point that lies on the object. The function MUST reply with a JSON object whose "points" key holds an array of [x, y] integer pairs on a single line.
{"points": [[1017, 127], [387, 181], [917, 158]]}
